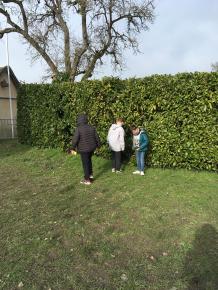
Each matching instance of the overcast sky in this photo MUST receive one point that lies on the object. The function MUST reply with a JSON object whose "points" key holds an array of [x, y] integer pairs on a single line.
{"points": [[183, 38]]}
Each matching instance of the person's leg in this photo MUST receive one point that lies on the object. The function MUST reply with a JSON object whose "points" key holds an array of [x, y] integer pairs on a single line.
{"points": [[138, 160], [113, 161], [90, 164], [91, 178], [85, 163], [118, 160], [142, 161], [137, 155]]}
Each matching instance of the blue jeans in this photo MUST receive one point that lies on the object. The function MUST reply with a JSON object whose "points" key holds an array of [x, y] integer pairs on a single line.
{"points": [[140, 158]]}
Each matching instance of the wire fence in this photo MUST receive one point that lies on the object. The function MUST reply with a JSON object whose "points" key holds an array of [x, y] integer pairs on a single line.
{"points": [[6, 128]]}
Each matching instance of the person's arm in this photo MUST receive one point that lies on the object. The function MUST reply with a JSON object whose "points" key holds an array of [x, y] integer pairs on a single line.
{"points": [[98, 142], [134, 147], [75, 139], [108, 134], [144, 143], [122, 140]]}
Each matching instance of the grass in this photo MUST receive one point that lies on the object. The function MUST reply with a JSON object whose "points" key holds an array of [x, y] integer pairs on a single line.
{"points": [[123, 232]]}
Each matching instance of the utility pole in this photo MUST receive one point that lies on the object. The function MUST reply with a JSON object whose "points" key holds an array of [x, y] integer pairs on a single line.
{"points": [[9, 88], [9, 80]]}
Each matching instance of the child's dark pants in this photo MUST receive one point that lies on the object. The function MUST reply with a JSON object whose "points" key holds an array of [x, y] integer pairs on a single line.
{"points": [[116, 160], [86, 158]]}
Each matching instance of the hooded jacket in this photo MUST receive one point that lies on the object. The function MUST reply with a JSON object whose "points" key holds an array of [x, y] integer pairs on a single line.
{"points": [[115, 138], [140, 142], [85, 138]]}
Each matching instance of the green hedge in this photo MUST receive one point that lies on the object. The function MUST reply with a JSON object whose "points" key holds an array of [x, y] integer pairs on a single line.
{"points": [[180, 114]]}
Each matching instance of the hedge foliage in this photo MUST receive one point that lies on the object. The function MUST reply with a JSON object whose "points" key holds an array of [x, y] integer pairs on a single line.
{"points": [[180, 114]]}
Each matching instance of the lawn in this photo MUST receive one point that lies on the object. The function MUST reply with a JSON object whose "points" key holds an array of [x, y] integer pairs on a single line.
{"points": [[157, 231]]}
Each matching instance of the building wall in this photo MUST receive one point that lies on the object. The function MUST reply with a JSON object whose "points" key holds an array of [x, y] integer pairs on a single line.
{"points": [[5, 108], [5, 101]]}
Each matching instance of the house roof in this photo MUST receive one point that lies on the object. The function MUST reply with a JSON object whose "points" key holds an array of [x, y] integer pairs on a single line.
{"points": [[4, 69]]}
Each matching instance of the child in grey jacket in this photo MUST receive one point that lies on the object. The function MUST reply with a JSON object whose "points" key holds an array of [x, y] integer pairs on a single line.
{"points": [[116, 143]]}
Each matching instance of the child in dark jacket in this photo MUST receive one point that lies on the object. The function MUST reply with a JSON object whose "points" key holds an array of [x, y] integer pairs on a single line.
{"points": [[140, 145], [85, 141]]}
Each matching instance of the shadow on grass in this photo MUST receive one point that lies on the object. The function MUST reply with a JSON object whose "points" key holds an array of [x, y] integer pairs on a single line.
{"points": [[103, 169], [201, 264], [12, 147]]}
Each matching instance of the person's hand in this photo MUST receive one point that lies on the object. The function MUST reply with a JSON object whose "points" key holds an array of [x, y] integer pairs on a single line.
{"points": [[97, 151], [68, 151], [73, 152]]}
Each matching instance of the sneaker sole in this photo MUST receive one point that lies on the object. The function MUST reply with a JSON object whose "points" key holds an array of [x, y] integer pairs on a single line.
{"points": [[81, 182]]}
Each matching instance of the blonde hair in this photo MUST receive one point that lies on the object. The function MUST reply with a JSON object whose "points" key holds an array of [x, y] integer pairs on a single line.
{"points": [[120, 120]]}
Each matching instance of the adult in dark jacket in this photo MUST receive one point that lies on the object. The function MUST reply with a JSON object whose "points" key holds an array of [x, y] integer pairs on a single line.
{"points": [[85, 141]]}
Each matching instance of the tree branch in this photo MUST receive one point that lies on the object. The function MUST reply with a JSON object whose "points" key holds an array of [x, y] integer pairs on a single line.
{"points": [[23, 13], [6, 30], [66, 32], [79, 52], [25, 34], [107, 27]]}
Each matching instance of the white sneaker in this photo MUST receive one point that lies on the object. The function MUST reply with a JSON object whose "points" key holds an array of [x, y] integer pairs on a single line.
{"points": [[113, 170], [142, 173], [86, 182], [136, 172]]}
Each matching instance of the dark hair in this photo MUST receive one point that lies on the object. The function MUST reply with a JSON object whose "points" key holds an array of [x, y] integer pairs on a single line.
{"points": [[133, 127]]}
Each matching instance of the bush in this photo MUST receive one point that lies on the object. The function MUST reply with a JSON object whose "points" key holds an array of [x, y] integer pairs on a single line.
{"points": [[179, 113]]}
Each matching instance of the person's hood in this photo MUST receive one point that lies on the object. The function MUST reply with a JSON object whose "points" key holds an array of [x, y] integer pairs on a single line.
{"points": [[142, 131], [82, 120], [115, 126]]}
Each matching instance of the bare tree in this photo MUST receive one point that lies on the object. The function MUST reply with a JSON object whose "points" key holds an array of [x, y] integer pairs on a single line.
{"points": [[75, 36], [214, 67]]}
